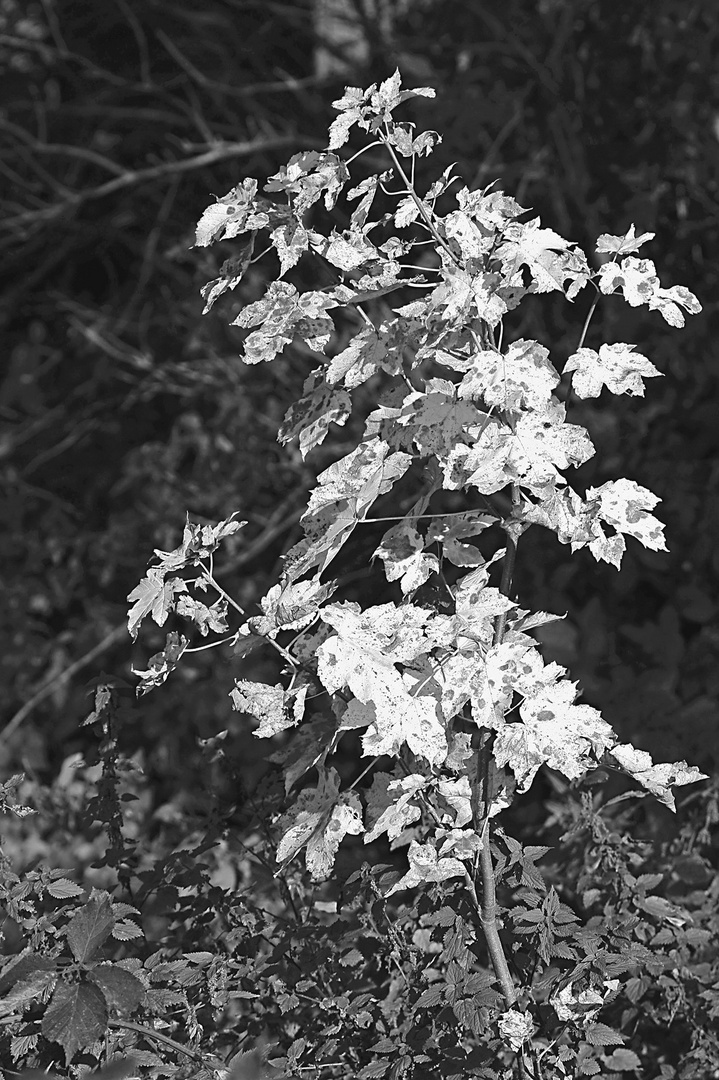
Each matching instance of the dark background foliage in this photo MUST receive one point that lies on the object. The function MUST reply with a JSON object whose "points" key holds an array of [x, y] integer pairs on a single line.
{"points": [[122, 408]]}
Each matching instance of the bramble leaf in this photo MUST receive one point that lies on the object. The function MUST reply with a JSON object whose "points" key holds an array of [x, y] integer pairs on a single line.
{"points": [[90, 927], [75, 1017]]}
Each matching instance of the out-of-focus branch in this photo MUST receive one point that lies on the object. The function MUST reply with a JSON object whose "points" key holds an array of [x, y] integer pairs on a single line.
{"points": [[132, 177]]}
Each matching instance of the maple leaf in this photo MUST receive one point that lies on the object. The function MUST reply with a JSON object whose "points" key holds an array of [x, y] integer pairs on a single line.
{"points": [[432, 421], [233, 214], [477, 607], [401, 551], [657, 779], [390, 806], [473, 242], [346, 252], [555, 732], [637, 280], [624, 504], [162, 663], [493, 210], [198, 541], [309, 175], [365, 192], [585, 1005], [550, 259], [458, 794], [426, 867], [450, 530], [309, 746], [358, 360], [544, 443], [617, 367], [276, 709], [290, 607], [283, 313], [523, 377], [515, 1028], [485, 464], [311, 416], [360, 477], [205, 618], [319, 821], [153, 596], [508, 667], [396, 707], [290, 241], [231, 273], [623, 245]]}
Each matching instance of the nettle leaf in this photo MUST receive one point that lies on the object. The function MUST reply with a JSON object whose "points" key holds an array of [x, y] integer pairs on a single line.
{"points": [[554, 731], [310, 417], [319, 821], [90, 927], [657, 779], [426, 867], [76, 1016], [276, 708], [617, 367], [27, 990], [523, 377]]}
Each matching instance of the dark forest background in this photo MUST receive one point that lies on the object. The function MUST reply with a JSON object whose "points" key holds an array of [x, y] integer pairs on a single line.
{"points": [[121, 408]]}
